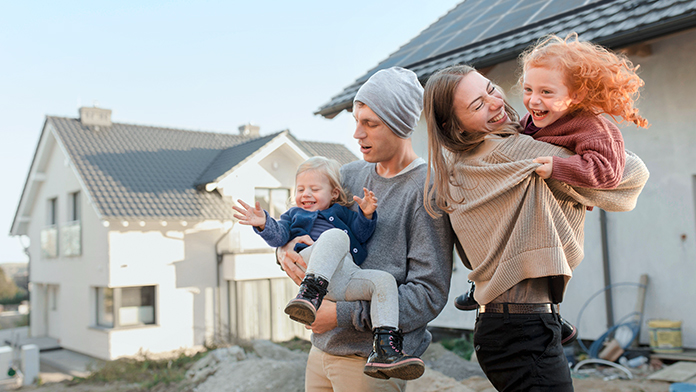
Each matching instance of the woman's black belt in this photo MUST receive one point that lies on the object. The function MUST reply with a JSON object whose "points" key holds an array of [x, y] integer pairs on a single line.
{"points": [[516, 308]]}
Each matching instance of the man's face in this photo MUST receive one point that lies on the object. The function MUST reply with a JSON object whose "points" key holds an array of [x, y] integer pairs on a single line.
{"points": [[377, 142]]}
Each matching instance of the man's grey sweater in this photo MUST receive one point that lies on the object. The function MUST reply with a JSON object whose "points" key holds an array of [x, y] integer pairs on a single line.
{"points": [[407, 243]]}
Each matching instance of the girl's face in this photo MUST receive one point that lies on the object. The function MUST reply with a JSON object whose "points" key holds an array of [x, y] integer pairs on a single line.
{"points": [[313, 191], [546, 96], [478, 104]]}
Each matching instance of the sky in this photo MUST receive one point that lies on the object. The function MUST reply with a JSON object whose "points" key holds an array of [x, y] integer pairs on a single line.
{"points": [[204, 65]]}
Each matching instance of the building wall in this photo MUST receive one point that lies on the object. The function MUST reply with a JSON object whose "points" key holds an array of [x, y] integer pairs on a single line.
{"points": [[658, 237], [256, 290], [73, 276]]}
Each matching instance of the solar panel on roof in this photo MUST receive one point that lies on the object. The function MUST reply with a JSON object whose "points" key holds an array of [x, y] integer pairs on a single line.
{"points": [[558, 6], [474, 32], [516, 18], [464, 37], [469, 22], [460, 24]]}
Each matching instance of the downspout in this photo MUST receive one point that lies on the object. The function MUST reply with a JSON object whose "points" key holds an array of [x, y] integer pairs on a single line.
{"points": [[608, 299], [219, 257], [29, 284]]}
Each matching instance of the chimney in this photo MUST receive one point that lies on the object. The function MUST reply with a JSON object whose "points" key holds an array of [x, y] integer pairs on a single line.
{"points": [[95, 116], [250, 130]]}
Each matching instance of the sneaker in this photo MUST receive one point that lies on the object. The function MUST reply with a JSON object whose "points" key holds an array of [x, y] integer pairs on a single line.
{"points": [[303, 308], [388, 359], [466, 301]]}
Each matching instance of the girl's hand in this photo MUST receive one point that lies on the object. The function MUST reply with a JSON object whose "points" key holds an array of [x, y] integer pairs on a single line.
{"points": [[368, 205], [251, 216], [292, 262], [544, 171]]}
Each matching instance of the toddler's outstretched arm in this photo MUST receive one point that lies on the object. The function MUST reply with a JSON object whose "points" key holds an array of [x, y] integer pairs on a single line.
{"points": [[368, 205], [252, 216]]}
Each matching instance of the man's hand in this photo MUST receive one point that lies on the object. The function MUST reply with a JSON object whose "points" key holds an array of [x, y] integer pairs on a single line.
{"points": [[252, 216], [326, 319], [544, 171], [290, 261], [368, 205]]}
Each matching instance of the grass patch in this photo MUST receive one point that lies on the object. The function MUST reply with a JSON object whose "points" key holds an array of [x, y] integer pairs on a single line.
{"points": [[297, 344], [460, 346], [146, 373]]}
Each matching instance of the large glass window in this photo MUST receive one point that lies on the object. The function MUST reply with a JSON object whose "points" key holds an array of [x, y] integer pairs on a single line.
{"points": [[137, 306], [125, 306], [273, 200], [105, 307]]}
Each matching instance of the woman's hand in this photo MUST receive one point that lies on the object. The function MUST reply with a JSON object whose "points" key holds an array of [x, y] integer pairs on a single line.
{"points": [[368, 205], [252, 216], [290, 261], [544, 171]]}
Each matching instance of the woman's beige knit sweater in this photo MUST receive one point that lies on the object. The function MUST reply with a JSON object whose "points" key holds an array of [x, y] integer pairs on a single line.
{"points": [[513, 225]]}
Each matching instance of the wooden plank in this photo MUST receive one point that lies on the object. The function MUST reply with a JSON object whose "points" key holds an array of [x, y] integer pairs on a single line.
{"points": [[679, 372], [689, 354]]}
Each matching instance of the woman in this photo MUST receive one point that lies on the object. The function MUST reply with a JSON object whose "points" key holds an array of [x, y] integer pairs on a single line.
{"points": [[522, 235]]}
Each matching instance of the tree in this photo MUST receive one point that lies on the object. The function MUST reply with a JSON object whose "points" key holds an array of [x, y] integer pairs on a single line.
{"points": [[8, 288]]}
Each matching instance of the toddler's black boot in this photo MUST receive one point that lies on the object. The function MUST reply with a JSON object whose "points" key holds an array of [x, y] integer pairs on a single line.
{"points": [[304, 307], [466, 301], [388, 359], [568, 332]]}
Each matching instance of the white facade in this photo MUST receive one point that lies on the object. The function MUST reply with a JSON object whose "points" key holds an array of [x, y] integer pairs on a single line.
{"points": [[177, 259], [658, 237]]}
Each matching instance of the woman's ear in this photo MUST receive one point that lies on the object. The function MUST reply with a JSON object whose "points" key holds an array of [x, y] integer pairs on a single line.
{"points": [[334, 194]]}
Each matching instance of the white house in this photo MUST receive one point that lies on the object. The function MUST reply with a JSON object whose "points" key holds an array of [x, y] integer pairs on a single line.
{"points": [[658, 238], [133, 241]]}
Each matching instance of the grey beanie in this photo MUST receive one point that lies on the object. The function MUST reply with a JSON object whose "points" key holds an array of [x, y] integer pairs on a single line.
{"points": [[396, 96]]}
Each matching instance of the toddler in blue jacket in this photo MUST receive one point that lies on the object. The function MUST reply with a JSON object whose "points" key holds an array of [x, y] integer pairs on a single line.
{"points": [[339, 236]]}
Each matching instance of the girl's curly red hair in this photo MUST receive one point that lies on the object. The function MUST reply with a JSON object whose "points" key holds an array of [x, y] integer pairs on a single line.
{"points": [[606, 81]]}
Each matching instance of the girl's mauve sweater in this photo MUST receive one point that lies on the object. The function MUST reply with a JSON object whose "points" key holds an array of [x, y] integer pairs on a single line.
{"points": [[513, 225], [599, 146]]}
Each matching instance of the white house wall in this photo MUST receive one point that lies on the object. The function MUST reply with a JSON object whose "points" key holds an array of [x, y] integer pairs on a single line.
{"points": [[271, 170], [82, 272], [658, 237], [180, 262]]}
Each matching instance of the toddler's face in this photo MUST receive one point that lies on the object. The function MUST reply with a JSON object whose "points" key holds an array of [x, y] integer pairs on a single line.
{"points": [[313, 191], [546, 96]]}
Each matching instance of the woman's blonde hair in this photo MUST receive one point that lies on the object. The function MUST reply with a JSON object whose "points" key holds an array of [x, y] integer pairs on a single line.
{"points": [[605, 81], [447, 138], [332, 170]]}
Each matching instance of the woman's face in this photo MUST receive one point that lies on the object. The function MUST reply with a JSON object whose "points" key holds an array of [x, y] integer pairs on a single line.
{"points": [[478, 104]]}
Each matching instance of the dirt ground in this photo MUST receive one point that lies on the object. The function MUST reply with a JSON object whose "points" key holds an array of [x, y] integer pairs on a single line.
{"points": [[271, 364]]}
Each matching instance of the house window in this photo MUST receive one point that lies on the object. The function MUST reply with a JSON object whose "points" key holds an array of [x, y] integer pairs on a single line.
{"points": [[273, 200], [49, 234], [53, 297], [74, 207], [125, 306], [105, 307], [52, 212], [71, 232]]}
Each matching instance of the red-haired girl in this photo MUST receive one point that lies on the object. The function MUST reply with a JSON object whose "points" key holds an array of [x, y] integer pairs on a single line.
{"points": [[567, 85]]}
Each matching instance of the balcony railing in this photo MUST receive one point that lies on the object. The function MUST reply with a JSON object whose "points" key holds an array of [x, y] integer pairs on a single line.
{"points": [[71, 238], [49, 242]]}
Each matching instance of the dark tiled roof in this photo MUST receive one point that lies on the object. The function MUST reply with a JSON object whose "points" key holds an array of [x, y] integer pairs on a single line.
{"points": [[504, 32], [151, 173], [229, 158]]}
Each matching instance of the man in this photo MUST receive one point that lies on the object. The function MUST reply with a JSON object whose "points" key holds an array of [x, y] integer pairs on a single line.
{"points": [[407, 242]]}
